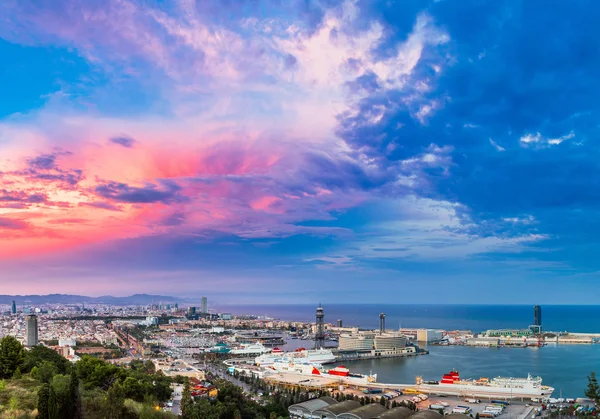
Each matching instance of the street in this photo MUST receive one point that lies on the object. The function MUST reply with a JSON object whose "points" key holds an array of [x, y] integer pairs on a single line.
{"points": [[177, 395]]}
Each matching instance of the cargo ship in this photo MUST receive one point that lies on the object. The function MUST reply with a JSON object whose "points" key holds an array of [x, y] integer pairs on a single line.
{"points": [[339, 373], [499, 386], [319, 356]]}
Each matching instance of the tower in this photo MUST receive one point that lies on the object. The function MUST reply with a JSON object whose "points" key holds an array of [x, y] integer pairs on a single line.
{"points": [[537, 316], [31, 331], [320, 332], [339, 323], [14, 307], [381, 323], [204, 305]]}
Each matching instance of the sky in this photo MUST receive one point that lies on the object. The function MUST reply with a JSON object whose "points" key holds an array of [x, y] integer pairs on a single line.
{"points": [[301, 151]]}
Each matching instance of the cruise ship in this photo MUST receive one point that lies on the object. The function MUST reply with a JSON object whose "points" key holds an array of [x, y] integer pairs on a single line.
{"points": [[318, 356], [498, 387], [250, 349], [340, 373]]}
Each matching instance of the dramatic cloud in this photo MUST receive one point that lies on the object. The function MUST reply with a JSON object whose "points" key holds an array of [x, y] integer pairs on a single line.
{"points": [[123, 141], [280, 141]]}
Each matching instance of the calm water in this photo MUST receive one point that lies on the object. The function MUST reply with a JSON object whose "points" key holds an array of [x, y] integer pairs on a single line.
{"points": [[450, 317], [561, 366]]}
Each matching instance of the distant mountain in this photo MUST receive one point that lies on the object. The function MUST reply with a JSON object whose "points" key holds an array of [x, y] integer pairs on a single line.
{"points": [[136, 299]]}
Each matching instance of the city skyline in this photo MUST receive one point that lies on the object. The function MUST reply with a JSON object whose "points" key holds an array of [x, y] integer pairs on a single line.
{"points": [[298, 152]]}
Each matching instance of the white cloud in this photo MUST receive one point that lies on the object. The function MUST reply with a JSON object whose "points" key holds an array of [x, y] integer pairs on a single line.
{"points": [[539, 141], [496, 145], [427, 229]]}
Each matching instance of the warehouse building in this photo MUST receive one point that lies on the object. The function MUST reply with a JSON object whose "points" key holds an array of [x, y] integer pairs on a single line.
{"points": [[334, 410], [429, 335], [364, 412], [396, 413], [483, 341], [328, 408], [305, 409]]}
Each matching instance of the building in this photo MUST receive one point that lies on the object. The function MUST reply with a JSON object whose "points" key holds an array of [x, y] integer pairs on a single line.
{"points": [[361, 341], [339, 323], [371, 341], [367, 411], [320, 328], [389, 341], [226, 316], [67, 342], [484, 341], [537, 316], [536, 327], [305, 409], [506, 333], [204, 305], [429, 335], [14, 307], [31, 330], [332, 411]]}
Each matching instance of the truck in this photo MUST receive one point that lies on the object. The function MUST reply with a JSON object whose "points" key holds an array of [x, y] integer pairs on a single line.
{"points": [[372, 391], [465, 410], [473, 400]]}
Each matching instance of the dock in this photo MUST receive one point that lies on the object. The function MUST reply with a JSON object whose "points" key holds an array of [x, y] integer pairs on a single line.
{"points": [[356, 356], [306, 381]]}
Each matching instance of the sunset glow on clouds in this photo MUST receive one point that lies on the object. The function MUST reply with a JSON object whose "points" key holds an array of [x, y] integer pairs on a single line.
{"points": [[241, 148]]}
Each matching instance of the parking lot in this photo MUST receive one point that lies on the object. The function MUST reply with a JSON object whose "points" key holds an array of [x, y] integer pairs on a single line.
{"points": [[516, 410]]}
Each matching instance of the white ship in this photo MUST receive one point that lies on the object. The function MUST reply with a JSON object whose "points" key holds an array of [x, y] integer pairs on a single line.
{"points": [[503, 387], [250, 349], [318, 356], [340, 373]]}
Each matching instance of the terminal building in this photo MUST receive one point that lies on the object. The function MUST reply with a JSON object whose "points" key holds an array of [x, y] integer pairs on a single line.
{"points": [[375, 344]]}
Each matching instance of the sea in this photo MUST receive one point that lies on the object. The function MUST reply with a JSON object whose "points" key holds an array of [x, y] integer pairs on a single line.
{"points": [[564, 367]]}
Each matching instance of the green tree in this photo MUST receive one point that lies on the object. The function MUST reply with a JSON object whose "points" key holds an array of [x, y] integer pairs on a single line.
{"points": [[12, 355], [61, 387], [43, 396], [39, 353], [52, 404], [13, 403], [150, 367], [187, 403], [74, 395], [133, 389], [593, 390], [115, 399], [44, 371]]}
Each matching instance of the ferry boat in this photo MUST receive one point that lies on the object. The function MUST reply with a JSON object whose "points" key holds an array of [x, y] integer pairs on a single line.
{"points": [[499, 386], [339, 373], [220, 348], [319, 356], [250, 349]]}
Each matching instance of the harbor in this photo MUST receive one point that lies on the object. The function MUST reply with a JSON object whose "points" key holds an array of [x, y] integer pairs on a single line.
{"points": [[394, 356]]}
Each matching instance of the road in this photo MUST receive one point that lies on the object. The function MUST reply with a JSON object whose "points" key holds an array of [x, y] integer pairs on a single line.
{"points": [[177, 394], [222, 373]]}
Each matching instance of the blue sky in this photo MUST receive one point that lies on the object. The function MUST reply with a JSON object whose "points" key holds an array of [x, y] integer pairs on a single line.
{"points": [[301, 151]]}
